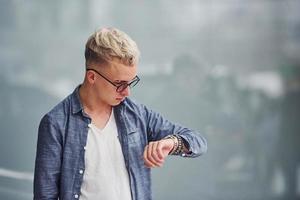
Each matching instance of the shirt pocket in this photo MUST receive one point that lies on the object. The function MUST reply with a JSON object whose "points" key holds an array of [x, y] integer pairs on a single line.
{"points": [[136, 144], [134, 138]]}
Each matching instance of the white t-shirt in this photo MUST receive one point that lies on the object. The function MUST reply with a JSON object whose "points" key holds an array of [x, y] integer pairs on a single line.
{"points": [[105, 176]]}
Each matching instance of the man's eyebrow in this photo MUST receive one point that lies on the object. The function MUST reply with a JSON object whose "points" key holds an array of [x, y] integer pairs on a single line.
{"points": [[123, 81], [120, 81]]}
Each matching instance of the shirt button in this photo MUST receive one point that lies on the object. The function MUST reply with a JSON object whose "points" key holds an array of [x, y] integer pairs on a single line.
{"points": [[81, 171], [84, 147], [76, 196]]}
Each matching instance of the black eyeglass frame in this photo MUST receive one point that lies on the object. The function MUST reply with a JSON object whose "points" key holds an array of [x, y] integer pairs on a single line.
{"points": [[119, 87]]}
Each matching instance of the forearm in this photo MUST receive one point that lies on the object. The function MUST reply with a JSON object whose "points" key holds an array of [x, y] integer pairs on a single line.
{"points": [[194, 143]]}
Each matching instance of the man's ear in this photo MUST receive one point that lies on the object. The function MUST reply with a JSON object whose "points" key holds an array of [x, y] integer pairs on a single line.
{"points": [[90, 76]]}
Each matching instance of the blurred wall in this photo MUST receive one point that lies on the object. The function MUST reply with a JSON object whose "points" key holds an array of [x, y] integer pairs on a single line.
{"points": [[228, 68]]}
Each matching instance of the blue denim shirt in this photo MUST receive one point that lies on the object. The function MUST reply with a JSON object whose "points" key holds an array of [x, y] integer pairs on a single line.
{"points": [[62, 136]]}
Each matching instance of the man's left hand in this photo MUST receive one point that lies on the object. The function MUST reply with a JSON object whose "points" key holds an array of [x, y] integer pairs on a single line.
{"points": [[156, 152]]}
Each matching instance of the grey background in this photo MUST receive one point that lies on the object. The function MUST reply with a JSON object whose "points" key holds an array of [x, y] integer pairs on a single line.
{"points": [[228, 68]]}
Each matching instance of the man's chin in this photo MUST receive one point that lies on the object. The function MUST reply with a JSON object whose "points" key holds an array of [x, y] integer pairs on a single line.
{"points": [[117, 101]]}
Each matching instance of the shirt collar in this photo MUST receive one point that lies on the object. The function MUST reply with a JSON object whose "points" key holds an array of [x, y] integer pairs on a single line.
{"points": [[77, 105], [75, 101]]}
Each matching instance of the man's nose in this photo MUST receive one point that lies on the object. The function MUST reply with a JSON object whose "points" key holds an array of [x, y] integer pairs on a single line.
{"points": [[126, 92]]}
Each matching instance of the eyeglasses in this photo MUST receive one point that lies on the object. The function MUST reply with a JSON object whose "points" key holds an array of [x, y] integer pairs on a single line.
{"points": [[122, 86]]}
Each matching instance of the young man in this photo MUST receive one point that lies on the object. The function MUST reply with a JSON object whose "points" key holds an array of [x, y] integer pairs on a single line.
{"points": [[99, 144]]}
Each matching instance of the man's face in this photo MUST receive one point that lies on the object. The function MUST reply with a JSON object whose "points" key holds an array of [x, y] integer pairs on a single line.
{"points": [[117, 73]]}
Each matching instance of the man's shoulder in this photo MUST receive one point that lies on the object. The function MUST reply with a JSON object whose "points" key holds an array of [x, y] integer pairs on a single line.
{"points": [[61, 109], [136, 108], [132, 104]]}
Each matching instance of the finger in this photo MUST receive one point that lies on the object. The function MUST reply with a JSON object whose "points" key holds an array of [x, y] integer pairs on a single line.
{"points": [[147, 162], [151, 154], [154, 153], [160, 151], [157, 152]]}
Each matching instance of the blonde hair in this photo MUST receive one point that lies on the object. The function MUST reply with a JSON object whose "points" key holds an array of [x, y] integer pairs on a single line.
{"points": [[109, 43]]}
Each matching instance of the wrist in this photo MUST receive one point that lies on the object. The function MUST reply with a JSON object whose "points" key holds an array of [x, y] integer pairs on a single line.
{"points": [[175, 143], [178, 146]]}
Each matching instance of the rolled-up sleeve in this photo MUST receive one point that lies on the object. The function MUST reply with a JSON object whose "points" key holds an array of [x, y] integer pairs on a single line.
{"points": [[48, 161]]}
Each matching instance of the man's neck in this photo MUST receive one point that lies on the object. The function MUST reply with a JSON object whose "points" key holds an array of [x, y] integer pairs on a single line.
{"points": [[90, 103]]}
